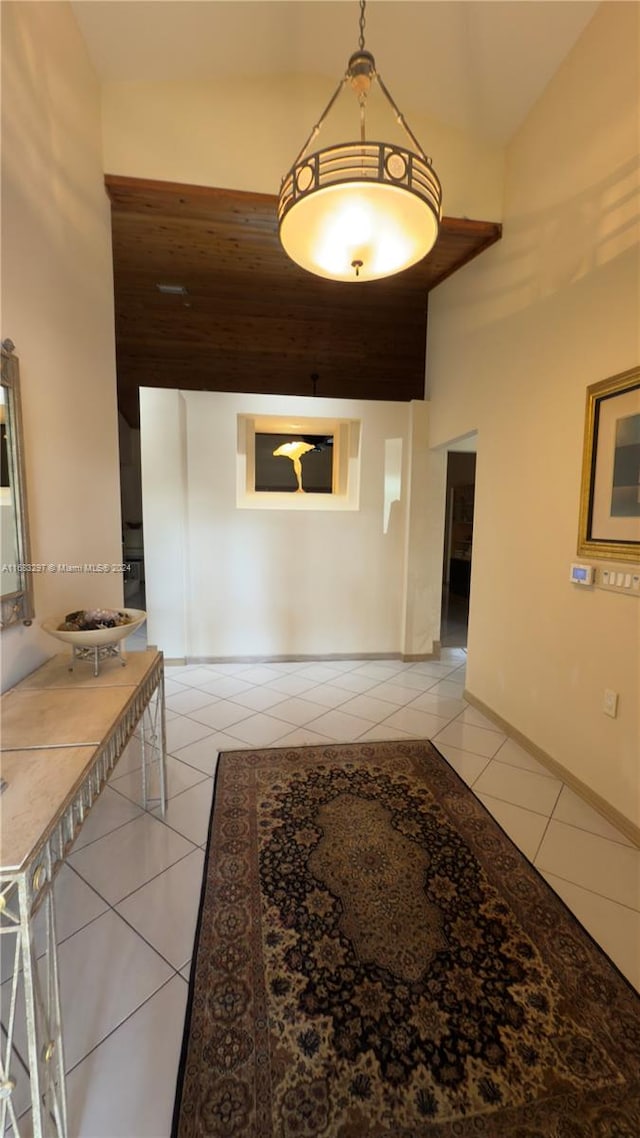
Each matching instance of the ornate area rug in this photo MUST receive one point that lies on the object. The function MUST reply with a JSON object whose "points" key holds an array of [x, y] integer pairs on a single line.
{"points": [[376, 958]]}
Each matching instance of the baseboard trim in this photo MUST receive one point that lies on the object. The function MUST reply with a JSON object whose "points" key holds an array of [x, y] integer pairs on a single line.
{"points": [[306, 659], [609, 812], [420, 656]]}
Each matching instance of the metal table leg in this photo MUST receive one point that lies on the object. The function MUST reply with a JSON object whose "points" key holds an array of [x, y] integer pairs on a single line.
{"points": [[41, 992], [153, 747]]}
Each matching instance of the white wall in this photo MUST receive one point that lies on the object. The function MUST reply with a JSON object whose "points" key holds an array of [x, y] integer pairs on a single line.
{"points": [[223, 581], [514, 341], [57, 307], [244, 135]]}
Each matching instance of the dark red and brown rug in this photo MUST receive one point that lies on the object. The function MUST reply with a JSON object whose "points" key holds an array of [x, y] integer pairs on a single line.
{"points": [[376, 958]]}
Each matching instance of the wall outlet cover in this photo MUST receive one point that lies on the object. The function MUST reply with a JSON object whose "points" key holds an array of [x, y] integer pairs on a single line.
{"points": [[610, 703]]}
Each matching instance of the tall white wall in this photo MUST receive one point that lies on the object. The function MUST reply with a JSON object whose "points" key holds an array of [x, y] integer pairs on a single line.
{"points": [[224, 581], [244, 134], [57, 307], [514, 341]]}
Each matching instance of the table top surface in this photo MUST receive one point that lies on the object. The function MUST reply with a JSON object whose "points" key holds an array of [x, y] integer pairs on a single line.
{"points": [[53, 725], [39, 784], [58, 672], [62, 718]]}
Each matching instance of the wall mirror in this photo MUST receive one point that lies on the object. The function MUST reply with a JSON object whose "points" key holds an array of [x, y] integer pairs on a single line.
{"points": [[16, 595]]}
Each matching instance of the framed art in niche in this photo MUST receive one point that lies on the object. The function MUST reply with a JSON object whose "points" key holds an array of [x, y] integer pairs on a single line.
{"points": [[301, 464]]}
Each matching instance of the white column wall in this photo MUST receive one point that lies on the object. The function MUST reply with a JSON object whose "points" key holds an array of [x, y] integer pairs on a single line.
{"points": [[425, 538], [163, 448], [268, 582]]}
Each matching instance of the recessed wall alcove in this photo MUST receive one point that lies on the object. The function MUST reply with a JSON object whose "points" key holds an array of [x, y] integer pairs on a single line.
{"points": [[258, 482]]}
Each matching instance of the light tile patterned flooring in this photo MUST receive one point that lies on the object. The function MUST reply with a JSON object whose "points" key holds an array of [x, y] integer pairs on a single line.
{"points": [[127, 899]]}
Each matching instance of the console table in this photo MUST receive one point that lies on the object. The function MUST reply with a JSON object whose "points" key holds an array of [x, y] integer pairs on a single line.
{"points": [[62, 733]]}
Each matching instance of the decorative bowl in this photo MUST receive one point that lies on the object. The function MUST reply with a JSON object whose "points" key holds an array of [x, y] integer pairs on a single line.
{"points": [[98, 637]]}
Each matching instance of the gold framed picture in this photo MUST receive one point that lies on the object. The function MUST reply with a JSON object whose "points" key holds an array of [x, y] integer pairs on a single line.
{"points": [[609, 523]]}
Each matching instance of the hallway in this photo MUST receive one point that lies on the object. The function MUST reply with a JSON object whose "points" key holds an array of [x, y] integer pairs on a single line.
{"points": [[454, 620]]}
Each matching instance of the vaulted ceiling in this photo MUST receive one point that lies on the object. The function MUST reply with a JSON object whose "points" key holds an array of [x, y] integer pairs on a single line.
{"points": [[474, 65], [250, 319]]}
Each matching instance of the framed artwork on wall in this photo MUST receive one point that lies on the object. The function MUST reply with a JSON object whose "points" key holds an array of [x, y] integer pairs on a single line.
{"points": [[306, 463], [610, 494]]}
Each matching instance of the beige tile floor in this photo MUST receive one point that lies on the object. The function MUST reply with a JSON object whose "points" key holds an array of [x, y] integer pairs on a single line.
{"points": [[127, 898]]}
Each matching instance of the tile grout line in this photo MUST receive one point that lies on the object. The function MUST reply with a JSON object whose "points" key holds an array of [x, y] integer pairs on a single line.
{"points": [[544, 833], [153, 877], [586, 889], [113, 830], [127, 1018], [525, 770]]}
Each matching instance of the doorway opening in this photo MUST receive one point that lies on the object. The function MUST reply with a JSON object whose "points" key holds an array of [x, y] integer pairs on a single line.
{"points": [[131, 506], [458, 547]]}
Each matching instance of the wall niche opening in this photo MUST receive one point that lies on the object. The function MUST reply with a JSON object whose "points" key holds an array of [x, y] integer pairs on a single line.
{"points": [[305, 463]]}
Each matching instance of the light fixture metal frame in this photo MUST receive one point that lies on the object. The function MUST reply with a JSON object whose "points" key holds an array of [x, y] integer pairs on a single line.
{"points": [[382, 162]]}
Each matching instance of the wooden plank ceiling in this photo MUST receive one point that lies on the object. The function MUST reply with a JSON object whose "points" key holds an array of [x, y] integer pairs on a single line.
{"points": [[252, 320]]}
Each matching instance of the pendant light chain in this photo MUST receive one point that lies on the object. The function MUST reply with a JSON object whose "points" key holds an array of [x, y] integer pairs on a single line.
{"points": [[362, 19], [362, 97]]}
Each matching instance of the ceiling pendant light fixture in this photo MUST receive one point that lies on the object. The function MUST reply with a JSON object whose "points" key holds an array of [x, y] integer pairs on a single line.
{"points": [[361, 210]]}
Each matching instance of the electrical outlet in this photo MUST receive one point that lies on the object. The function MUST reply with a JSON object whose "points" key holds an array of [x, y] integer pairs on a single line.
{"points": [[610, 703]]}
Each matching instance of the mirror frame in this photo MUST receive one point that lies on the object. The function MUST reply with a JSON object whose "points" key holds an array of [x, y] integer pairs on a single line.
{"points": [[17, 606]]}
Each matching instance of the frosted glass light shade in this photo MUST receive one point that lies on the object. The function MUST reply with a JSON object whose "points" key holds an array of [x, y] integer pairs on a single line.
{"points": [[359, 212]]}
